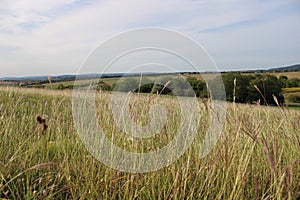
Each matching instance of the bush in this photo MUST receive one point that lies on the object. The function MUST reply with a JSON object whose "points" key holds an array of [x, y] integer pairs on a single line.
{"points": [[294, 82]]}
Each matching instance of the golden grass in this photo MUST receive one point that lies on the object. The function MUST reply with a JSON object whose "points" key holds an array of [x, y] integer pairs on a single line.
{"points": [[256, 157], [291, 90]]}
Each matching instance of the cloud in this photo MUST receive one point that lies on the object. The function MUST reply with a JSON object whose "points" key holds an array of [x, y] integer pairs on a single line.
{"points": [[54, 36]]}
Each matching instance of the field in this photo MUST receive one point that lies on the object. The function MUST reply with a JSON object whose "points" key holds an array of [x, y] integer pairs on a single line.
{"points": [[256, 157], [111, 81], [290, 75], [292, 95]]}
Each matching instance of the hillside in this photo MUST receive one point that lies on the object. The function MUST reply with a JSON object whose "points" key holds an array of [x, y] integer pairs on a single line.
{"points": [[291, 68]]}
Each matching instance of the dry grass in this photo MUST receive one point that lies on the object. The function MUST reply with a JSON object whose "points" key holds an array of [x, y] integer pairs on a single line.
{"points": [[256, 157], [290, 75]]}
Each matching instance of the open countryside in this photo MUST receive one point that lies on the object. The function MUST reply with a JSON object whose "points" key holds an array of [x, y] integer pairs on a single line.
{"points": [[256, 156]]}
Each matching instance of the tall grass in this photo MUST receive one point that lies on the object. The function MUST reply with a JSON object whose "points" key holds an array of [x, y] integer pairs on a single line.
{"points": [[256, 157]]}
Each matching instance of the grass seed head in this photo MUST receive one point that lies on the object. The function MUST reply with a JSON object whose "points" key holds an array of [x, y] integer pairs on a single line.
{"points": [[40, 120]]}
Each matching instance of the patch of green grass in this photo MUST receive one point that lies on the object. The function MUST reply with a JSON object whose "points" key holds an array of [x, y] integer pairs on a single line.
{"points": [[256, 157]]}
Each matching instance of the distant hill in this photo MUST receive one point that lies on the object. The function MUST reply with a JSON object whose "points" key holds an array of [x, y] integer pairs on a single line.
{"points": [[44, 79], [58, 78], [291, 68]]}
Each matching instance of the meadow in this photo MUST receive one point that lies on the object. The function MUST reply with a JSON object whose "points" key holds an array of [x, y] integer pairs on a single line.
{"points": [[256, 157]]}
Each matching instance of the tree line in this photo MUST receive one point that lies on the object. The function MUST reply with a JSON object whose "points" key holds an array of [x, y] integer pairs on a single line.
{"points": [[264, 88]]}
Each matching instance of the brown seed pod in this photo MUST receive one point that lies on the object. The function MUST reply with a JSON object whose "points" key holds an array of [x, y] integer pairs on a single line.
{"points": [[45, 126], [40, 120]]}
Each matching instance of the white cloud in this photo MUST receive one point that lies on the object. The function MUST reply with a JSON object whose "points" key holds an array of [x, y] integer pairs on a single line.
{"points": [[54, 36]]}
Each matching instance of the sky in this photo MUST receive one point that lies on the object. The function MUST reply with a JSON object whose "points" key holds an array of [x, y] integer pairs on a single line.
{"points": [[53, 37]]}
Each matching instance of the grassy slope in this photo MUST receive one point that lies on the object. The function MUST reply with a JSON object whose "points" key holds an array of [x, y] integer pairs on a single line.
{"points": [[257, 156]]}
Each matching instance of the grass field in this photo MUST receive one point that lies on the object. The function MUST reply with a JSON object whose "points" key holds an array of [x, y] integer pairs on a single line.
{"points": [[291, 90], [290, 75], [256, 157]]}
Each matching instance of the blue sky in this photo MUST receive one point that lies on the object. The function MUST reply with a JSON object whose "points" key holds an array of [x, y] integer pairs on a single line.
{"points": [[53, 37]]}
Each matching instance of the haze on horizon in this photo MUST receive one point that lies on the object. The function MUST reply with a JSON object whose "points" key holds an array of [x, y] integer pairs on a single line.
{"points": [[54, 37]]}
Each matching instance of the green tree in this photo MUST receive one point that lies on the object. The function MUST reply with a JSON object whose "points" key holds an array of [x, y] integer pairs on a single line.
{"points": [[198, 86], [283, 80], [145, 88], [126, 84], [264, 87], [294, 82], [145, 85], [235, 81], [134, 84], [162, 85], [104, 86]]}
